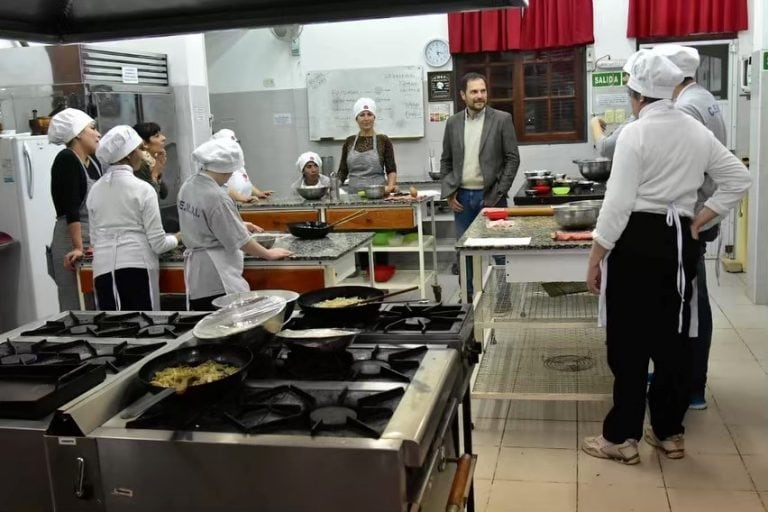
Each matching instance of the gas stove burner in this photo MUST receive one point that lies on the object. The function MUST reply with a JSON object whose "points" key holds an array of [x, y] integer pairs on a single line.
{"points": [[387, 365], [109, 361], [307, 363], [410, 317], [22, 359], [118, 325], [332, 416]]}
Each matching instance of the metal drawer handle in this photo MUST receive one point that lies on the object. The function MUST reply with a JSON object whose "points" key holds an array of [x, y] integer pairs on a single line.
{"points": [[80, 477]]}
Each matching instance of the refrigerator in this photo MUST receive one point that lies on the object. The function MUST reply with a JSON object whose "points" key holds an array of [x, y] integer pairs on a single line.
{"points": [[28, 215]]}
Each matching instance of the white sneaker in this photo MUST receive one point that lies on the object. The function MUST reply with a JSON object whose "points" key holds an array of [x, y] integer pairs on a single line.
{"points": [[673, 446], [600, 447]]}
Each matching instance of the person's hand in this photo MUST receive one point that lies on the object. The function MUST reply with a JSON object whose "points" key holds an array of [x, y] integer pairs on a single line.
{"points": [[161, 157], [695, 228], [89, 251], [594, 278], [390, 189], [455, 205], [178, 237], [602, 122], [277, 253], [253, 228], [263, 194], [72, 257]]}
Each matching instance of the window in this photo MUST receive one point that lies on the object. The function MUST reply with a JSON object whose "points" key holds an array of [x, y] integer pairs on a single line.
{"points": [[543, 90]]}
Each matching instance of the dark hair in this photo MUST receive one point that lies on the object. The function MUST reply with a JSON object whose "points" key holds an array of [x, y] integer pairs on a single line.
{"points": [[471, 76], [637, 96], [147, 130]]}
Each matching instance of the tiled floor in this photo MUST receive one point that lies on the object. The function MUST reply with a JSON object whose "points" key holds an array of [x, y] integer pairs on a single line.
{"points": [[529, 457]]}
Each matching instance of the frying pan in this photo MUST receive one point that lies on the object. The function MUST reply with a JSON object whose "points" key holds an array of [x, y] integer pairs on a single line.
{"points": [[322, 340], [317, 229], [233, 355], [362, 312]]}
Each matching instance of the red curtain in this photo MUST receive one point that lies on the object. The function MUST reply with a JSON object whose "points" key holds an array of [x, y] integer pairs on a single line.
{"points": [[667, 18], [544, 24]]}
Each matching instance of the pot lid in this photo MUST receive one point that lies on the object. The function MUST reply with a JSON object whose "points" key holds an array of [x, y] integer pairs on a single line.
{"points": [[240, 316]]}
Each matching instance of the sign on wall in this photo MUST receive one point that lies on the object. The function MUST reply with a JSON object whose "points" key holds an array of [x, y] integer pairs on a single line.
{"points": [[612, 79], [440, 85], [765, 61]]}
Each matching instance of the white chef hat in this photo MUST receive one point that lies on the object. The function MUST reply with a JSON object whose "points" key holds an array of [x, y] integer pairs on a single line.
{"points": [[223, 156], [365, 104], [684, 57], [117, 144], [654, 76], [307, 157], [225, 133], [67, 124], [632, 58]]}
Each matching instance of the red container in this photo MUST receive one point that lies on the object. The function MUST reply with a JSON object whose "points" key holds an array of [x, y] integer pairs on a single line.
{"points": [[542, 189], [383, 273], [496, 214]]}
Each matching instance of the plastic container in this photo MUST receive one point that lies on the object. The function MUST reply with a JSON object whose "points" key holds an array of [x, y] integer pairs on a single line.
{"points": [[382, 238], [383, 273], [496, 214], [560, 191]]}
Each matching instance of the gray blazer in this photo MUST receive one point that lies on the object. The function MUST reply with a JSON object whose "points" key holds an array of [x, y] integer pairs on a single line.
{"points": [[499, 157]]}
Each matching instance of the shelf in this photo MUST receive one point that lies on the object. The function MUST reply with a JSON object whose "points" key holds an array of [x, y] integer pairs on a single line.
{"points": [[442, 217], [446, 245], [401, 279], [429, 242]]}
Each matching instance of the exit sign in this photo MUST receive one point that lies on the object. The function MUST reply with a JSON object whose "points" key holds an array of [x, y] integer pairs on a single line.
{"points": [[613, 79], [765, 61]]}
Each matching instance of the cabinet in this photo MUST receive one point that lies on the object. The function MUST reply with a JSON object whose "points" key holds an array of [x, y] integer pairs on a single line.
{"points": [[278, 220]]}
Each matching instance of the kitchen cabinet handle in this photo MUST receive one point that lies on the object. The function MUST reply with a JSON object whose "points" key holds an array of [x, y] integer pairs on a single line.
{"points": [[462, 481], [80, 477]]}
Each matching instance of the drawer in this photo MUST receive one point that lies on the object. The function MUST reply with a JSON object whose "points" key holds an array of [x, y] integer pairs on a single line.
{"points": [[277, 220], [298, 279], [374, 218]]}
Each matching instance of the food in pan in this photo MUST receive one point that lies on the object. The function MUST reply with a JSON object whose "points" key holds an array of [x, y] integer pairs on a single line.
{"points": [[182, 376], [338, 302]]}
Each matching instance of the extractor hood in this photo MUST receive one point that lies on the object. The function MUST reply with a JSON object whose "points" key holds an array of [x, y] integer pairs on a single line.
{"points": [[57, 21]]}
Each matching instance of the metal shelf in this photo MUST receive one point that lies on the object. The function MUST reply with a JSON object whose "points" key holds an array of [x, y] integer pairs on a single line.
{"points": [[429, 242], [401, 279]]}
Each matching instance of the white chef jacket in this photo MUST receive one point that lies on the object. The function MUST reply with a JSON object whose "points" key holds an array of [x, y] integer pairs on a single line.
{"points": [[324, 181], [660, 161], [124, 214], [208, 220]]}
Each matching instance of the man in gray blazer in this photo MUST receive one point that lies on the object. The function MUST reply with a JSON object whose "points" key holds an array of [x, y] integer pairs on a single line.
{"points": [[480, 158]]}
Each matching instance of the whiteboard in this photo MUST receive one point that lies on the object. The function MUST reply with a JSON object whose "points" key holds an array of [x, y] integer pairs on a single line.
{"points": [[397, 91]]}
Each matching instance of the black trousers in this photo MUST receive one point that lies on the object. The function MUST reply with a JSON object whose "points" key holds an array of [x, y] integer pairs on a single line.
{"points": [[132, 286], [204, 303], [643, 306]]}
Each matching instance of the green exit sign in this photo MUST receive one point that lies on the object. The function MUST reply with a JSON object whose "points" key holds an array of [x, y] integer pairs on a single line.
{"points": [[765, 61], [613, 79]]}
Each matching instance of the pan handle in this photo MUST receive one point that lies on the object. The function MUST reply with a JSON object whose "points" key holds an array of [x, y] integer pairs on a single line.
{"points": [[144, 404]]}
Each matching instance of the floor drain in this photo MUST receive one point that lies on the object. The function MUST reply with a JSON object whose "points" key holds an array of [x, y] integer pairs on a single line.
{"points": [[569, 363]]}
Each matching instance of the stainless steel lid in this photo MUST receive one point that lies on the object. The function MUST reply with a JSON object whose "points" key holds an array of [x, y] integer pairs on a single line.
{"points": [[241, 316]]}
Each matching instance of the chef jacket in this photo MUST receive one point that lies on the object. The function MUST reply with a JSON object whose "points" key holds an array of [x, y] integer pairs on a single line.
{"points": [[660, 161], [324, 181], [208, 219], [124, 214]]}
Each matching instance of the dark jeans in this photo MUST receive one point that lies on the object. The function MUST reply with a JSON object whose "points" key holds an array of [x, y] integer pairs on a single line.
{"points": [[643, 308], [472, 201], [132, 286], [204, 303], [701, 345]]}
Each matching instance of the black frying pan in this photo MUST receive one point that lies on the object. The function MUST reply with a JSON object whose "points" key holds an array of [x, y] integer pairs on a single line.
{"points": [[363, 312], [233, 355]]}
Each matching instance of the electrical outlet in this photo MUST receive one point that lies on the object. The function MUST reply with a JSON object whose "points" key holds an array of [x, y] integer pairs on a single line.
{"points": [[590, 55]]}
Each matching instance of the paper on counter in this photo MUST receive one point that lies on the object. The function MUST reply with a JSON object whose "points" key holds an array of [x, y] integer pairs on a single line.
{"points": [[496, 242]]}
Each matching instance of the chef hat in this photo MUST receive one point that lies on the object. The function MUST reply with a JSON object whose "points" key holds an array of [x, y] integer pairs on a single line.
{"points": [[223, 156], [365, 104], [307, 157], [632, 58], [654, 76], [225, 133], [67, 124], [117, 144], [684, 57]]}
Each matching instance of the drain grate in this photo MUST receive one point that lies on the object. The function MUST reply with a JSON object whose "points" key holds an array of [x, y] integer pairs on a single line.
{"points": [[569, 363]]}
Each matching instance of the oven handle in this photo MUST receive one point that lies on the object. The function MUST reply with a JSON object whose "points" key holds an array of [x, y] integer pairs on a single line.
{"points": [[462, 482], [441, 432], [80, 477]]}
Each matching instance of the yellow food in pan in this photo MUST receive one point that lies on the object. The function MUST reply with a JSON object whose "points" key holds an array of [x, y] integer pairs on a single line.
{"points": [[183, 376], [338, 302]]}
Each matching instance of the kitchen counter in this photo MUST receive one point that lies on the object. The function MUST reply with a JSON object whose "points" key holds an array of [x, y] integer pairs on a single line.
{"points": [[315, 264], [539, 229], [348, 200]]}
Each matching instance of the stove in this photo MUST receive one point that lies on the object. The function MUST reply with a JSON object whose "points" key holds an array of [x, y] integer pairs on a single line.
{"points": [[55, 364], [444, 325], [97, 324]]}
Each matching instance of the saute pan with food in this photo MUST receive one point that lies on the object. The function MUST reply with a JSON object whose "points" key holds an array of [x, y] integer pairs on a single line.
{"points": [[193, 373]]}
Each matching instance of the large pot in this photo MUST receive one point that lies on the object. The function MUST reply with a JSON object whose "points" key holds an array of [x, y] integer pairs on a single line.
{"points": [[596, 169], [362, 313], [577, 214]]}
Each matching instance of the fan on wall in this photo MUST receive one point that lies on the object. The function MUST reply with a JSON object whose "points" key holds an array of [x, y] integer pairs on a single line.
{"points": [[289, 34]]}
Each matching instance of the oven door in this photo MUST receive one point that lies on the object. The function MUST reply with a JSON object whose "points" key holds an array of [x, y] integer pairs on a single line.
{"points": [[73, 463]]}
